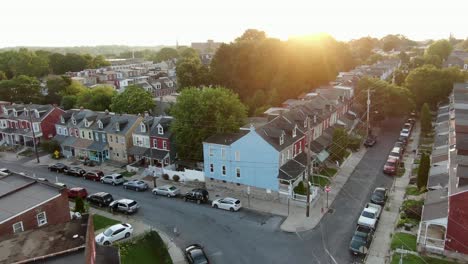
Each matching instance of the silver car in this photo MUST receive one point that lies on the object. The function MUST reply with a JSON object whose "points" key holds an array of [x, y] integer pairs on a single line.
{"points": [[167, 190], [136, 185]]}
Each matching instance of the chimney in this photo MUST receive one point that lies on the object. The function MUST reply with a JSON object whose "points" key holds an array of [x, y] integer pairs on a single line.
{"points": [[81, 108], [106, 112]]}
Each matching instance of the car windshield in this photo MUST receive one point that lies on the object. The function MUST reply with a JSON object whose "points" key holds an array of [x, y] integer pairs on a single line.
{"points": [[198, 257], [390, 163], [357, 242], [118, 177], [172, 188], [237, 202], [368, 214], [108, 232], [132, 204]]}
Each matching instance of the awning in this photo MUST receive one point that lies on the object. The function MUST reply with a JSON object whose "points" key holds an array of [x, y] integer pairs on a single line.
{"points": [[157, 154], [98, 146], [323, 155], [291, 170], [82, 143], [69, 141], [136, 150]]}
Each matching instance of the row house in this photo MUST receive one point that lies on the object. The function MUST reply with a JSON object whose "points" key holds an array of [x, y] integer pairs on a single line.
{"points": [[458, 58], [24, 124], [153, 142], [97, 136], [442, 229]]}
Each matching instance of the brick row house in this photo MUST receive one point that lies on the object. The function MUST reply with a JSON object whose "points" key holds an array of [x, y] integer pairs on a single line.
{"points": [[18, 123], [270, 159], [443, 227], [153, 142], [97, 136]]}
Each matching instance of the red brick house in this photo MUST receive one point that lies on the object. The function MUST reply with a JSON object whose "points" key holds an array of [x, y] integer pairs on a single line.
{"points": [[20, 123], [26, 203]]}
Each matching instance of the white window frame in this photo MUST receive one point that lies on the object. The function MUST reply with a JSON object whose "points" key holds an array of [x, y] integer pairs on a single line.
{"points": [[281, 139], [294, 132], [104, 138], [15, 229], [289, 154], [210, 151], [143, 128], [74, 121], [160, 130], [44, 221], [100, 125], [238, 172], [86, 123], [36, 127], [237, 155], [164, 144], [300, 147], [223, 153]]}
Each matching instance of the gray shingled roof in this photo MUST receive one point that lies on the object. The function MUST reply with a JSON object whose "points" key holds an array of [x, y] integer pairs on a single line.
{"points": [[226, 138], [291, 170], [435, 205]]}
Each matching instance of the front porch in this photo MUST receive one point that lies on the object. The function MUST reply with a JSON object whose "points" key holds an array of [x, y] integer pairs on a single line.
{"points": [[431, 237], [19, 140]]}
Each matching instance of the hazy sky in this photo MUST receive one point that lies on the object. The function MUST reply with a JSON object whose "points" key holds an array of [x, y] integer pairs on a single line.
{"points": [[155, 22]]}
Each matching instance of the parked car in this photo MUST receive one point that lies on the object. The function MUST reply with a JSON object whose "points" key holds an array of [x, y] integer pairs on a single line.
{"points": [[400, 145], [77, 192], [58, 167], [195, 255], [403, 140], [370, 141], [100, 199], [391, 166], [198, 195], [5, 172], [94, 175], [405, 132], [411, 121], [136, 185], [167, 190], [408, 126], [90, 163], [114, 233], [57, 183], [126, 206], [74, 171], [379, 196], [361, 240], [113, 179], [395, 153], [370, 215], [228, 203]]}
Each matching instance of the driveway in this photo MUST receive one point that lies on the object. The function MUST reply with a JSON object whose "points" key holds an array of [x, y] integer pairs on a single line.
{"points": [[248, 236]]}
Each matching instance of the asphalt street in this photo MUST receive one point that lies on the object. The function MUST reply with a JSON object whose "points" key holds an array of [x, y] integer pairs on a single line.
{"points": [[248, 236]]}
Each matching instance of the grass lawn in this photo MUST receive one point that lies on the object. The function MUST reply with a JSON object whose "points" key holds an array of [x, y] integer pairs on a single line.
{"points": [[26, 153], [412, 259], [426, 141], [148, 249], [329, 172], [320, 181], [403, 240], [100, 221], [128, 174], [413, 190], [415, 170]]}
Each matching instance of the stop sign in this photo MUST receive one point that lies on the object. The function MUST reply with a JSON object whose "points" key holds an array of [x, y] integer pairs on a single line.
{"points": [[327, 189]]}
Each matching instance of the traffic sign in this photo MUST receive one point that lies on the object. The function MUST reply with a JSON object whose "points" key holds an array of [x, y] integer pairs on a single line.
{"points": [[327, 189]]}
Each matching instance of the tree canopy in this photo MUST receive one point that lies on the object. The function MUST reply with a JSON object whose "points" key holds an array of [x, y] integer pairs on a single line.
{"points": [[426, 119], [97, 99], [134, 100], [441, 48], [21, 88], [200, 113]]}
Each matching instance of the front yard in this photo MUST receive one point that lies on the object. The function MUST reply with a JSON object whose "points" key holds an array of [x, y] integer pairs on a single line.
{"points": [[404, 241], [413, 259], [146, 249], [101, 222]]}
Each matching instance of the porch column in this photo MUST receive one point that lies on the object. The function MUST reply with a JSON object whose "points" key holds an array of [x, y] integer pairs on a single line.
{"points": [[425, 235]]}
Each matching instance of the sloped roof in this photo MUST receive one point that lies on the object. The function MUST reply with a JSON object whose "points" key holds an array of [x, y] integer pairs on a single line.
{"points": [[291, 170], [435, 205], [226, 138]]}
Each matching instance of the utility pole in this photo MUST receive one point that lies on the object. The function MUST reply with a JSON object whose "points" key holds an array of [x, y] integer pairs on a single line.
{"points": [[308, 171], [368, 111], [34, 135]]}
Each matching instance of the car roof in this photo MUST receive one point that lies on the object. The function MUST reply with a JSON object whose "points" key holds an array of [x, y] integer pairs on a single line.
{"points": [[117, 226], [392, 159], [77, 188], [167, 186], [126, 201], [100, 194], [230, 199], [396, 149]]}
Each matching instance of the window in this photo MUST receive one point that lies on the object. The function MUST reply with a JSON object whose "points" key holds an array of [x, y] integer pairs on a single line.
{"points": [[281, 139], [211, 168], [116, 139], [300, 146], [117, 127], [96, 136], [18, 227], [224, 170], [237, 155], [74, 121], [289, 154], [36, 127], [110, 137], [143, 128], [90, 135], [294, 132], [37, 114], [41, 219], [26, 112], [164, 145], [104, 138], [210, 151], [122, 140], [86, 123], [82, 134], [160, 130], [59, 130], [100, 125], [15, 113], [238, 172], [223, 153]]}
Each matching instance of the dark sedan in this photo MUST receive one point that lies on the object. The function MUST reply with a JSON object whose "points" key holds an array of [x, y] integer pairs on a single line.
{"points": [[75, 171], [361, 240], [379, 196], [195, 255], [58, 167]]}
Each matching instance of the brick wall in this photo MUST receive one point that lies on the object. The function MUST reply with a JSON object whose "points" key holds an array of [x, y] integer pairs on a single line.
{"points": [[57, 211], [48, 124], [457, 233]]}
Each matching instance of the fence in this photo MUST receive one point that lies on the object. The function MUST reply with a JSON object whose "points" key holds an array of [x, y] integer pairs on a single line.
{"points": [[185, 175]]}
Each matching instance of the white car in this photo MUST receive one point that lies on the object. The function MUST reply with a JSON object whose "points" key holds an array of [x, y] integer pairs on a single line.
{"points": [[405, 132], [113, 179], [370, 215], [5, 172], [228, 203], [114, 233], [166, 190]]}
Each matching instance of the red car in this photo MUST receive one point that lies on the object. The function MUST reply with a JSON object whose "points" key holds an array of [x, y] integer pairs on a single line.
{"points": [[77, 192], [391, 166], [94, 175]]}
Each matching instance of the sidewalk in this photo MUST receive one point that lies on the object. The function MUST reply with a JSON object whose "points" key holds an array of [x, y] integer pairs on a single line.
{"points": [[379, 252], [175, 252], [297, 220]]}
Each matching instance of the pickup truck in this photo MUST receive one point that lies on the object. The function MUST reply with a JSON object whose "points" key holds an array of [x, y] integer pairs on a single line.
{"points": [[370, 215]]}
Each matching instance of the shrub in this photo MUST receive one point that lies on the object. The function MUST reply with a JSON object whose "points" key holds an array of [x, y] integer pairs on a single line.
{"points": [[300, 189], [50, 146], [165, 176], [412, 209], [176, 178], [79, 205], [354, 143]]}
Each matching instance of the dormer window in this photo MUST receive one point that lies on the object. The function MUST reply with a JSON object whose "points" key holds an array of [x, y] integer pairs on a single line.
{"points": [[15, 113], [143, 127], [160, 130], [100, 125], [62, 120], [281, 139], [73, 121], [37, 113], [158, 86], [305, 121], [117, 126], [294, 133], [86, 123]]}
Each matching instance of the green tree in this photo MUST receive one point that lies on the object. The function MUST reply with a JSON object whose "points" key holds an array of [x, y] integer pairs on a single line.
{"points": [[189, 53], [133, 100], [68, 102], [362, 48], [74, 88], [339, 144], [426, 119], [55, 88], [79, 205], [252, 35], [201, 113], [97, 99], [166, 54], [21, 89], [433, 60], [441, 48], [3, 76], [192, 73], [423, 171]]}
